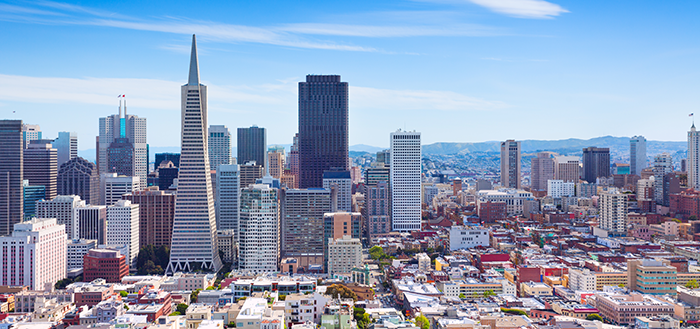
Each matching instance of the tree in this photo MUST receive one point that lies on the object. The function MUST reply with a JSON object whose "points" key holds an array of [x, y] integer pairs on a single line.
{"points": [[361, 317], [123, 293], [193, 295], [422, 322], [182, 308], [377, 253], [513, 311], [692, 284], [462, 296], [594, 317], [489, 293], [336, 290]]}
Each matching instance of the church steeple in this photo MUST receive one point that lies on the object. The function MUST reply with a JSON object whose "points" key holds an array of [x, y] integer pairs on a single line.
{"points": [[194, 64]]}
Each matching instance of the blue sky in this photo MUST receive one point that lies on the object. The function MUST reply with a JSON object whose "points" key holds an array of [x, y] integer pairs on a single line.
{"points": [[456, 70]]}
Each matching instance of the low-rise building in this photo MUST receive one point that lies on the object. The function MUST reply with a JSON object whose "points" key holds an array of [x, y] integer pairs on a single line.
{"points": [[468, 237], [623, 309]]}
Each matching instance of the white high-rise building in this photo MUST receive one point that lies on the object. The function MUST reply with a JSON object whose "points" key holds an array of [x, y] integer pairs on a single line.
{"points": [[693, 158], [228, 182], [67, 146], [258, 250], [126, 126], [63, 208], [405, 180], [77, 249], [342, 182], [123, 228], [35, 254], [511, 164], [645, 188], [557, 188], [663, 164], [613, 212], [112, 187], [194, 242], [219, 146], [638, 154], [344, 254]]}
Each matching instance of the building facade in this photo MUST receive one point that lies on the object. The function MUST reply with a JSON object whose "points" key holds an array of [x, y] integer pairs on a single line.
{"points": [[92, 223], [663, 165], [613, 212], [259, 229], [11, 174], [341, 181], [106, 264], [377, 210], [78, 176], [67, 146], [127, 135], [113, 186], [40, 166], [405, 181], [638, 155], [252, 145], [344, 254], [123, 228], [301, 219], [62, 208], [511, 164], [228, 198], [156, 213], [219, 146], [596, 163]]}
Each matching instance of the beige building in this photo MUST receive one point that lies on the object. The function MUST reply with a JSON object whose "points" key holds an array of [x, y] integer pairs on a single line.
{"points": [[535, 289], [613, 212], [196, 314], [623, 309], [275, 159], [651, 277], [344, 254], [615, 279]]}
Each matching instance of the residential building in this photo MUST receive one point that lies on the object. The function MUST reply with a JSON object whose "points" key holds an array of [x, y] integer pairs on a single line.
{"points": [[405, 181], [106, 264], [557, 188], [663, 165], [67, 147], [302, 224], [613, 212], [582, 280], [259, 229], [693, 162], [156, 213], [511, 164], [113, 186], [78, 176], [77, 249], [219, 146], [341, 181], [596, 163], [40, 166], [35, 254], [123, 228], [228, 198], [344, 254], [252, 145], [11, 174], [462, 237], [377, 210], [92, 223], [339, 224], [542, 169], [568, 168], [323, 128], [303, 308], [63, 209], [638, 155]]}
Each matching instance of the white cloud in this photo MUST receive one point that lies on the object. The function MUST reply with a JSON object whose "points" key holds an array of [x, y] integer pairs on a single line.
{"points": [[387, 99], [388, 31], [523, 8]]}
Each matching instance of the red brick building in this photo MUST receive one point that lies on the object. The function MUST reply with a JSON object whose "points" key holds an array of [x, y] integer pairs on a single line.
{"points": [[490, 212], [104, 264], [686, 203]]}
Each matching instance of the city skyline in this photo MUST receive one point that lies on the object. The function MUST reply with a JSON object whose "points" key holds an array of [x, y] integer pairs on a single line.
{"points": [[460, 55]]}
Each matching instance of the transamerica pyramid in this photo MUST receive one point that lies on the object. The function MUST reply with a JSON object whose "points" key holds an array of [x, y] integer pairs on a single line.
{"points": [[194, 225]]}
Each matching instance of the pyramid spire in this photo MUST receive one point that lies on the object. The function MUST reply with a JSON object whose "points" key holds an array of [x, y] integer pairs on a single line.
{"points": [[194, 64]]}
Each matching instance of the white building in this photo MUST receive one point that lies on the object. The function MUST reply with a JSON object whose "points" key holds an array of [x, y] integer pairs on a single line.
{"points": [[35, 254], [429, 192], [405, 181], [468, 237], [663, 164], [344, 254], [135, 131], [342, 182], [613, 212], [307, 306], [219, 146], [67, 146], [228, 186], [693, 165], [77, 249], [113, 186], [557, 188], [514, 199], [63, 208], [251, 313], [123, 227], [581, 280], [259, 229], [638, 155], [645, 188], [423, 262]]}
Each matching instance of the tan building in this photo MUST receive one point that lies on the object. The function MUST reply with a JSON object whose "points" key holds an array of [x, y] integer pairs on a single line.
{"points": [[506, 322], [344, 254], [615, 279], [275, 159], [623, 309], [535, 289], [196, 314], [651, 277]]}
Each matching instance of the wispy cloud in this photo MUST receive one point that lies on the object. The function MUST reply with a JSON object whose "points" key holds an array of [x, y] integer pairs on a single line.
{"points": [[522, 8], [388, 99], [390, 31]]}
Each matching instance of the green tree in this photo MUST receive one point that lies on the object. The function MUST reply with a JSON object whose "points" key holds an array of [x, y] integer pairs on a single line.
{"points": [[513, 311], [336, 290], [123, 293], [692, 284], [422, 322], [462, 296], [489, 293], [594, 317], [361, 317], [182, 308], [193, 295]]}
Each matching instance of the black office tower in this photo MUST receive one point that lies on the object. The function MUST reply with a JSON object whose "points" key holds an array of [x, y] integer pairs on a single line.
{"points": [[323, 128], [251, 145], [11, 174], [596, 163]]}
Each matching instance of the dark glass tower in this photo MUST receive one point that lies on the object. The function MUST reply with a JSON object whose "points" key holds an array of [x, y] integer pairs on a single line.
{"points": [[251, 145], [11, 174], [596, 163], [323, 127]]}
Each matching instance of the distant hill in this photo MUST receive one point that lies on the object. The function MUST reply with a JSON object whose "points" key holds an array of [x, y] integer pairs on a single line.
{"points": [[366, 148]]}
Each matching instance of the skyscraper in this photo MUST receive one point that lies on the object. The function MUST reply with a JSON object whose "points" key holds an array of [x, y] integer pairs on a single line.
{"points": [[293, 159], [62, 208], [510, 164], [67, 146], [663, 164], [693, 163], [323, 127], [156, 211], [125, 130], [92, 223], [377, 211], [40, 166], [275, 161], [541, 171], [11, 174], [219, 146], [252, 145], [112, 187], [638, 155], [568, 168], [194, 225], [302, 224], [259, 225], [123, 228], [340, 181], [596, 163], [228, 198], [172, 157], [30, 133], [79, 177], [405, 181], [32, 194]]}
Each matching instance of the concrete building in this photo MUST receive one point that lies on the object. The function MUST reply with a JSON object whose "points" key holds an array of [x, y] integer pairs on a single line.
{"points": [[344, 254], [514, 199], [623, 309], [557, 188], [511, 164], [156, 213], [613, 212], [78, 176], [462, 237], [379, 172], [40, 166], [259, 229], [542, 169], [62, 208], [535, 289], [663, 165], [582, 280], [106, 264], [250, 172], [219, 146], [651, 277], [323, 128], [252, 146], [377, 210], [77, 249], [638, 155], [66, 146], [302, 225], [339, 224], [123, 228], [275, 161], [596, 163], [30, 195], [11, 174], [228, 197], [126, 135], [227, 243], [35, 254], [113, 186], [693, 162], [568, 168], [92, 223], [405, 181], [29, 133], [341, 181]]}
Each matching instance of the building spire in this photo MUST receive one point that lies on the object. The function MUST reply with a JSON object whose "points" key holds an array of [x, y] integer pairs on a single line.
{"points": [[194, 65]]}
